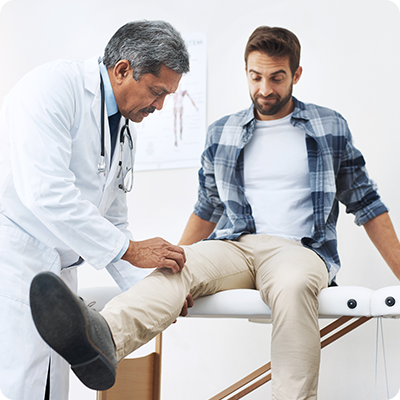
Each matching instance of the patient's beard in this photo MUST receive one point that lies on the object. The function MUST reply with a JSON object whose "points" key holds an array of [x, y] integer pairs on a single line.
{"points": [[274, 108]]}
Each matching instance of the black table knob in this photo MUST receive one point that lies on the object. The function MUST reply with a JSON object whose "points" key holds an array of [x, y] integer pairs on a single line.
{"points": [[352, 303], [390, 301]]}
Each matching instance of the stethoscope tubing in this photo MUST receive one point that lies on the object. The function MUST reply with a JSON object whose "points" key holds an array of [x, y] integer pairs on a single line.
{"points": [[102, 116], [125, 128]]}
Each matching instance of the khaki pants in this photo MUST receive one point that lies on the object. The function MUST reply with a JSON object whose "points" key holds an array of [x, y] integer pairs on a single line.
{"points": [[288, 276]]}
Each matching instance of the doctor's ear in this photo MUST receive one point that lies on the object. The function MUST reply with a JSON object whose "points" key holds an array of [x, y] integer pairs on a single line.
{"points": [[121, 71]]}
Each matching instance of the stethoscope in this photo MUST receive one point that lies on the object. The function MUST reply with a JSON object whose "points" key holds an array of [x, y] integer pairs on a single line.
{"points": [[125, 131]]}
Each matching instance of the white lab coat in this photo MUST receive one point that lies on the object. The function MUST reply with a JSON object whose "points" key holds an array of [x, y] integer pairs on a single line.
{"points": [[54, 208]]}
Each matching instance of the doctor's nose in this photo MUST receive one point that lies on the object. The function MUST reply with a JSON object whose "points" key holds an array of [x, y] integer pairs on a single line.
{"points": [[159, 103]]}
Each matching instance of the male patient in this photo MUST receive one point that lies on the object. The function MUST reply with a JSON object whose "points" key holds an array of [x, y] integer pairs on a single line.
{"points": [[270, 182]]}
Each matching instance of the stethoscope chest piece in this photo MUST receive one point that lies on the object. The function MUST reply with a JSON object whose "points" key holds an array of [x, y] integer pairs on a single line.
{"points": [[101, 166]]}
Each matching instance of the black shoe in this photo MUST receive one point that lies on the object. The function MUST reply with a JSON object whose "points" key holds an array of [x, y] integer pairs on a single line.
{"points": [[78, 333]]}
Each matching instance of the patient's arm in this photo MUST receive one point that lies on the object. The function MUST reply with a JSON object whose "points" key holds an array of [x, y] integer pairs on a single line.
{"points": [[196, 229], [382, 234]]}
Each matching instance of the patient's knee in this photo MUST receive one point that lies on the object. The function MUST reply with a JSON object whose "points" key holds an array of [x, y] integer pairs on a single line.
{"points": [[291, 290]]}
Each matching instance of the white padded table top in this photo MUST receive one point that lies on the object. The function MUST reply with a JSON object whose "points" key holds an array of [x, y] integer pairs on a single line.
{"points": [[355, 301], [385, 302], [247, 303]]}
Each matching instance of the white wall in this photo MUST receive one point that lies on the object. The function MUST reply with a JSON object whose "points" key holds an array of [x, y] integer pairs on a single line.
{"points": [[351, 63]]}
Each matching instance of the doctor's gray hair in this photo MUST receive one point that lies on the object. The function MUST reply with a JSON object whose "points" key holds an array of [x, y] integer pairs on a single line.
{"points": [[148, 45]]}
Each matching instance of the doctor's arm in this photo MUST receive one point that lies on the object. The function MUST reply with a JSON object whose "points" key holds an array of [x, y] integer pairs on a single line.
{"points": [[382, 234]]}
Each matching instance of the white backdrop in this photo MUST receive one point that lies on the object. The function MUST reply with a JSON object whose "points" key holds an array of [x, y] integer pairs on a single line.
{"points": [[351, 61]]}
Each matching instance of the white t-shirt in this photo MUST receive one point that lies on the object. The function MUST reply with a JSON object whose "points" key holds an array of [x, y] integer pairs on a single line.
{"points": [[277, 181]]}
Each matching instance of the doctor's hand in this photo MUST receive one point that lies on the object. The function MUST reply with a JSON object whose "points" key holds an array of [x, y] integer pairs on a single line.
{"points": [[186, 305], [155, 253]]}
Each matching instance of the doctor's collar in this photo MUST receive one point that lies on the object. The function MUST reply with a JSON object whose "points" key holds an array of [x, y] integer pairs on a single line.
{"points": [[111, 104]]}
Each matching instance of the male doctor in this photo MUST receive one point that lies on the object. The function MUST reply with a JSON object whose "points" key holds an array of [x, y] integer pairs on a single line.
{"points": [[66, 158]]}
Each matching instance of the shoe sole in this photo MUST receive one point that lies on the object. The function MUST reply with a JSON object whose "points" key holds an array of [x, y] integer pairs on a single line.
{"points": [[62, 323]]}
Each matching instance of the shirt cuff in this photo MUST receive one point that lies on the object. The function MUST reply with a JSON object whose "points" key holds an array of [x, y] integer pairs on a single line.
{"points": [[122, 252]]}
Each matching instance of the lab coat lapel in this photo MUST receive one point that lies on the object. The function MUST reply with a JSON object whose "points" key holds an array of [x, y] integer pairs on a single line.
{"points": [[110, 189], [92, 85]]}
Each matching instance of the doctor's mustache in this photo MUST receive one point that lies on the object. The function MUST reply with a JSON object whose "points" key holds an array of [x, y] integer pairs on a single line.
{"points": [[149, 110]]}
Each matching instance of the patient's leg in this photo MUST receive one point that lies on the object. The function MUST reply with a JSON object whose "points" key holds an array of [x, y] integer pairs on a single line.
{"points": [[290, 278], [149, 307]]}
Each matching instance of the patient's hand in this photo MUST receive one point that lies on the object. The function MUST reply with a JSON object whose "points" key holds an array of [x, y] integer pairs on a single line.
{"points": [[155, 253]]}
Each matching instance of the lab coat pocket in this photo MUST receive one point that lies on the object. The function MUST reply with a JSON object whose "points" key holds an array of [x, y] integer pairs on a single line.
{"points": [[21, 258]]}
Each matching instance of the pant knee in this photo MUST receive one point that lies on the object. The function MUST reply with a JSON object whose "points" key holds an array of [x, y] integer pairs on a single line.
{"points": [[292, 294]]}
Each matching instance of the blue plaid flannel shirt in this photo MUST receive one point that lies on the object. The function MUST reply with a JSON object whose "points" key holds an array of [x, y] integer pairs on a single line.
{"points": [[337, 173]]}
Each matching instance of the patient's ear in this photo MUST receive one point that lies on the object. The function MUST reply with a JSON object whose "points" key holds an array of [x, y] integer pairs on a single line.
{"points": [[297, 75]]}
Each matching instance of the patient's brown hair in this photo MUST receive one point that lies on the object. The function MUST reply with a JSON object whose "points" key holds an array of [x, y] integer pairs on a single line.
{"points": [[276, 43]]}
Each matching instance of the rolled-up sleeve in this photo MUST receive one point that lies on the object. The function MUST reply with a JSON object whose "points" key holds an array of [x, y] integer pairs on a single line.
{"points": [[209, 205], [354, 187]]}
